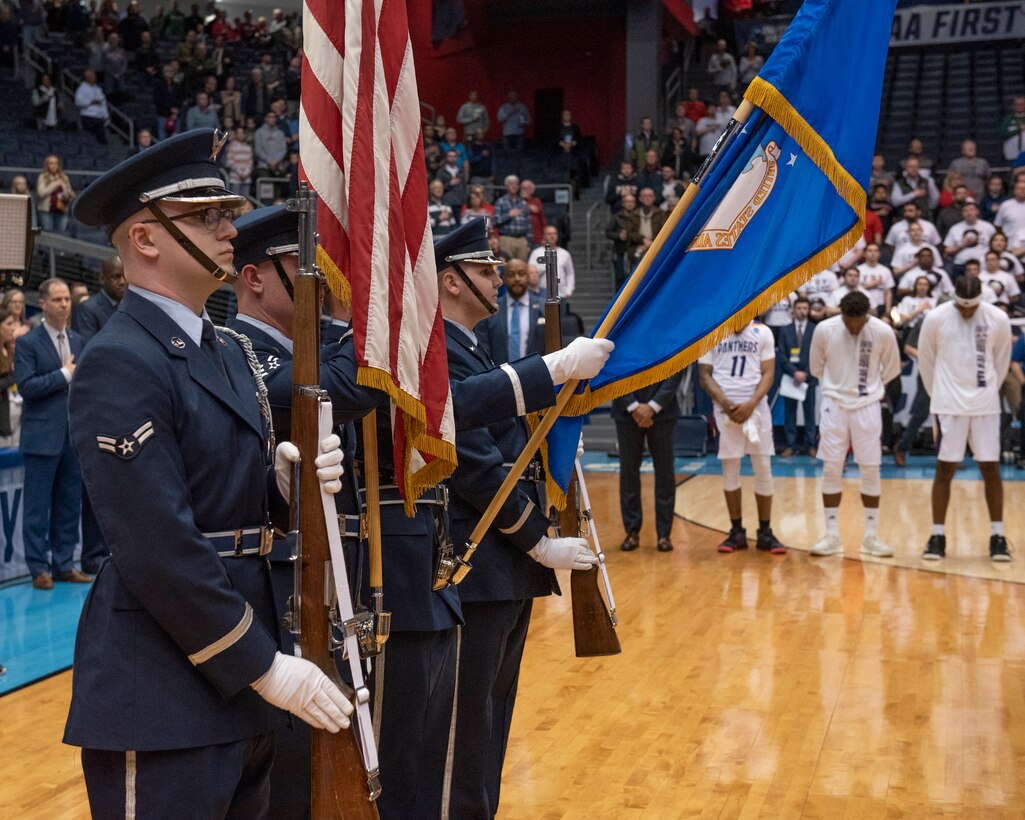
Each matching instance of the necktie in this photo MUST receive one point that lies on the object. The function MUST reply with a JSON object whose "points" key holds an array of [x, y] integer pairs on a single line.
{"points": [[62, 347], [208, 341], [800, 333], [514, 332]]}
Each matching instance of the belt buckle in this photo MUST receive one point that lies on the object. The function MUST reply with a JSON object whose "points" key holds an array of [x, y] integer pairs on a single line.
{"points": [[266, 540], [364, 527], [238, 543]]}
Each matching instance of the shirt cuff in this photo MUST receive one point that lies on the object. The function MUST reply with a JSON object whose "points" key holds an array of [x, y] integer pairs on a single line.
{"points": [[654, 405], [67, 374], [632, 406]]}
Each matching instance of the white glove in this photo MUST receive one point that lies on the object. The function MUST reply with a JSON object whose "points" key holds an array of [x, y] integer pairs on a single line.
{"points": [[751, 430], [583, 358], [563, 553], [580, 446], [329, 465], [299, 687]]}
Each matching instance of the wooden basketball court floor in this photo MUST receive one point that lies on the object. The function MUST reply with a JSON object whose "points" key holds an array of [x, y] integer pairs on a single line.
{"points": [[749, 685]]}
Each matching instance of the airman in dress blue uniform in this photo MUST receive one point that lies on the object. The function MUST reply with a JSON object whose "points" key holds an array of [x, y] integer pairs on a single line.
{"points": [[515, 560], [179, 684]]}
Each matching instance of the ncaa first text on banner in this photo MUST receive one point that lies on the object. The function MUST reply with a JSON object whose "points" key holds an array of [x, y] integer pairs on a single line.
{"points": [[978, 22]]}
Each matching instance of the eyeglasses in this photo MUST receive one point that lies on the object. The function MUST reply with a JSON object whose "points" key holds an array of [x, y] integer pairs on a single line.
{"points": [[210, 217]]}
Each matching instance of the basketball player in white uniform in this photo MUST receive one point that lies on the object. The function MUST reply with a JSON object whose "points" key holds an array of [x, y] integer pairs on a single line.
{"points": [[737, 374], [853, 355], [964, 352]]}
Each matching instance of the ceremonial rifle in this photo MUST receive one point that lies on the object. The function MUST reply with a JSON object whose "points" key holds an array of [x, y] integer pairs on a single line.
{"points": [[344, 772], [594, 627]]}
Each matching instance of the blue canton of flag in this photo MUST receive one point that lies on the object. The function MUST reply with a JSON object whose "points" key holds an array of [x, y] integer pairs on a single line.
{"points": [[784, 199]]}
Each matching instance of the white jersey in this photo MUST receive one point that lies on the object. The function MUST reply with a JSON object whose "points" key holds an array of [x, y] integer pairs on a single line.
{"points": [[876, 280], [941, 284], [907, 254], [854, 370], [963, 363], [983, 233], [819, 286], [1008, 289], [898, 234], [909, 304], [737, 361], [780, 314]]}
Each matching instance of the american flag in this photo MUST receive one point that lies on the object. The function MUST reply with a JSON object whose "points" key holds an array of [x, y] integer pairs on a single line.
{"points": [[362, 152]]}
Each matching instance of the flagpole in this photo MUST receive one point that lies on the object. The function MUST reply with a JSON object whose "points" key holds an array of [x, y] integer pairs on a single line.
{"points": [[741, 116]]}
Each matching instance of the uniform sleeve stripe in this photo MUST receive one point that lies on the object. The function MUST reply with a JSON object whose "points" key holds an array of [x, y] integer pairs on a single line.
{"points": [[226, 642], [514, 377], [523, 519]]}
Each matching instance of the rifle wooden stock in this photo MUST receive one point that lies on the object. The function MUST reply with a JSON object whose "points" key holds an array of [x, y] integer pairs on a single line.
{"points": [[339, 779], [593, 632]]}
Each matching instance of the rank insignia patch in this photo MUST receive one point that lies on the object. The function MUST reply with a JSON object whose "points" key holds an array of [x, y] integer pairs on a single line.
{"points": [[128, 446]]}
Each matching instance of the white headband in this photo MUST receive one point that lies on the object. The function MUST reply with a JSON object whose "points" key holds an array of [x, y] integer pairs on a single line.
{"points": [[960, 301]]}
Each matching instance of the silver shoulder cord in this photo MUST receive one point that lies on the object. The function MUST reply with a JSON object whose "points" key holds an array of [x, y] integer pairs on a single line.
{"points": [[593, 529], [257, 370]]}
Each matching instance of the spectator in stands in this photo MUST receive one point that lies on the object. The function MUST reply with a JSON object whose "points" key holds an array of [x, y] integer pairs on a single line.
{"points": [[680, 121], [569, 131], [974, 169], [913, 307], [793, 345], [14, 302], [563, 262], [147, 59], [817, 289], [450, 174], [1008, 261], [115, 67], [618, 231], [230, 99], [1011, 215], [168, 98], [750, 64], [277, 27], [880, 204], [725, 109], [157, 21], [926, 266], [185, 50], [678, 153], [246, 27], [132, 26], [707, 130], [512, 218], [1002, 282], [950, 214], [194, 20], [44, 365], [450, 142], [1012, 129], [916, 150], [722, 68], [475, 206], [877, 280], [473, 116], [990, 203], [514, 117], [915, 186], [200, 67], [270, 146], [10, 408], [480, 157], [880, 176], [849, 283], [271, 72], [440, 213], [96, 48], [537, 209], [650, 173], [143, 140], [202, 114], [969, 238], [898, 233], [432, 149], [45, 103], [53, 196], [645, 223], [625, 183], [670, 189], [694, 106], [256, 97], [779, 314], [950, 181], [92, 313], [239, 161], [643, 141]]}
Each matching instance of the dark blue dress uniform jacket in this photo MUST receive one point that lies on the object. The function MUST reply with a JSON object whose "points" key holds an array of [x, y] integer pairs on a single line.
{"points": [[502, 569], [171, 635]]}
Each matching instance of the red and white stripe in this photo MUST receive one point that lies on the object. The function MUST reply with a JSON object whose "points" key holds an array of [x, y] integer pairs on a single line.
{"points": [[362, 153]]}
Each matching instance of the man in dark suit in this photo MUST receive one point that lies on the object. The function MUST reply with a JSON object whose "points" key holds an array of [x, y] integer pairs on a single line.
{"points": [[178, 668], [649, 414], [88, 317], [44, 365], [517, 557], [518, 329], [792, 350]]}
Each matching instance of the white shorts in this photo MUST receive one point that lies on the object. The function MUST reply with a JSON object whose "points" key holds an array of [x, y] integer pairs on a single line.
{"points": [[957, 431], [732, 441], [841, 429]]}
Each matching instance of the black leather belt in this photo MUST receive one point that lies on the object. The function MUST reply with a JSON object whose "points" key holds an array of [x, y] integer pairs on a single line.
{"points": [[241, 542], [533, 472]]}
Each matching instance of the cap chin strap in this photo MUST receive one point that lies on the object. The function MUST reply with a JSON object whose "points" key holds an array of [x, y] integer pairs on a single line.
{"points": [[284, 278], [491, 309], [216, 271]]}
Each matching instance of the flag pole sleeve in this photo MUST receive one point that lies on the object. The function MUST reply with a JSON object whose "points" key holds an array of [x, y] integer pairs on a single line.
{"points": [[741, 116]]}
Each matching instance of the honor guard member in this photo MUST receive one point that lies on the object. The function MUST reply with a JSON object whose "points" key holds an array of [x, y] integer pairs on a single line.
{"points": [[964, 353], [516, 558], [179, 684], [420, 656]]}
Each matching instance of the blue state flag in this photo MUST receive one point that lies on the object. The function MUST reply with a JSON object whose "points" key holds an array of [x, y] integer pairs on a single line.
{"points": [[784, 199]]}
